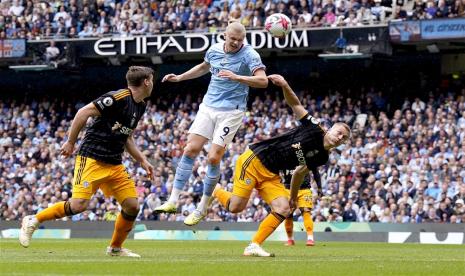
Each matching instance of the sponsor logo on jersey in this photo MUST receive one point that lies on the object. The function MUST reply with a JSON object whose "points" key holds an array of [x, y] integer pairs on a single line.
{"points": [[116, 126], [296, 146], [299, 153], [124, 130]]}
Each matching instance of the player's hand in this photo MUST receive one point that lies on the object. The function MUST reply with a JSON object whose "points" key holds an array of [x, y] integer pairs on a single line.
{"points": [[227, 74], [278, 80], [148, 168], [67, 149], [171, 78]]}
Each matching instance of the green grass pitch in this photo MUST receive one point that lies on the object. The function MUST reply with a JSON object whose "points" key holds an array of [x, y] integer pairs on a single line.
{"points": [[87, 257]]}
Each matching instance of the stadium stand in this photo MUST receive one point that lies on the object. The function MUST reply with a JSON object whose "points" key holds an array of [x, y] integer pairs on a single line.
{"points": [[34, 19], [405, 162]]}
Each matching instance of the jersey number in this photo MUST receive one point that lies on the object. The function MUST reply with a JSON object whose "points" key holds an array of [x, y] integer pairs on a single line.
{"points": [[226, 131]]}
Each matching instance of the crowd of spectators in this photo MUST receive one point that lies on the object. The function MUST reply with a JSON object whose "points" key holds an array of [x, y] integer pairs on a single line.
{"points": [[34, 19], [403, 164]]}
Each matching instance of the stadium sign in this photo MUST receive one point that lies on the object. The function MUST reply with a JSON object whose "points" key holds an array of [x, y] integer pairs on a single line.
{"points": [[443, 28], [374, 38], [192, 43], [12, 48]]}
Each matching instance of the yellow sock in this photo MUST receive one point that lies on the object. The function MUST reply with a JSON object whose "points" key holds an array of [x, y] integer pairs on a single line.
{"points": [[308, 223], [289, 225], [55, 211], [223, 197], [267, 227], [123, 226]]}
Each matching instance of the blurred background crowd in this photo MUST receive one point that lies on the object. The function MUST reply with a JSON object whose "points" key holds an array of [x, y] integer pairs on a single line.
{"points": [[35, 19], [405, 162]]}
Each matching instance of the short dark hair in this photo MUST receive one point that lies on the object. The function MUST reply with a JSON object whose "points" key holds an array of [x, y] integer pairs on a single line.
{"points": [[137, 74]]}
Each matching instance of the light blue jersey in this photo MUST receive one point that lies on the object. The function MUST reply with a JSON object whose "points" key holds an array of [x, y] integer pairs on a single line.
{"points": [[223, 93]]}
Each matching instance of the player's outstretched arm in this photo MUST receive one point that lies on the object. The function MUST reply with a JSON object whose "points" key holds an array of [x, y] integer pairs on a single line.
{"points": [[195, 72], [291, 98], [258, 80], [78, 123]]}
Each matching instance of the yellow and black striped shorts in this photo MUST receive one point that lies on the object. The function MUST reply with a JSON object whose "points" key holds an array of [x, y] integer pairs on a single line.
{"points": [[250, 173], [113, 180]]}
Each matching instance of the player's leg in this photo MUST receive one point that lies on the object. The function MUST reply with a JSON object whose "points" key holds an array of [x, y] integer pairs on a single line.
{"points": [[83, 189], [226, 126], [183, 172], [210, 180], [308, 223], [305, 204], [123, 189], [123, 225], [244, 183], [273, 192], [280, 211], [59, 210], [289, 226], [199, 133], [230, 201]]}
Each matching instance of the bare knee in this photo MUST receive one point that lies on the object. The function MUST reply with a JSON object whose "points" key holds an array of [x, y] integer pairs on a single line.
{"points": [[130, 206], [237, 204], [281, 206], [283, 211], [194, 145], [214, 159], [78, 205], [215, 154], [191, 150]]}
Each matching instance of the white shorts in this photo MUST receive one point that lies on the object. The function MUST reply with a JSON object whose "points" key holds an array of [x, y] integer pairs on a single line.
{"points": [[216, 125]]}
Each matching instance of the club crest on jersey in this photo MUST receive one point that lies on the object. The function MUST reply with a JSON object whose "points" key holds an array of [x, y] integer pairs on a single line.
{"points": [[85, 184], [248, 181]]}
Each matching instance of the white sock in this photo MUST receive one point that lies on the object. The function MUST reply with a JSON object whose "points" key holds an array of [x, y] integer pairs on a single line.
{"points": [[203, 206], [174, 195], [34, 220], [310, 237]]}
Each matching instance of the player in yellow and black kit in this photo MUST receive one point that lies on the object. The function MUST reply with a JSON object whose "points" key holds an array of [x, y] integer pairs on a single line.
{"points": [[302, 148], [99, 161], [304, 203]]}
